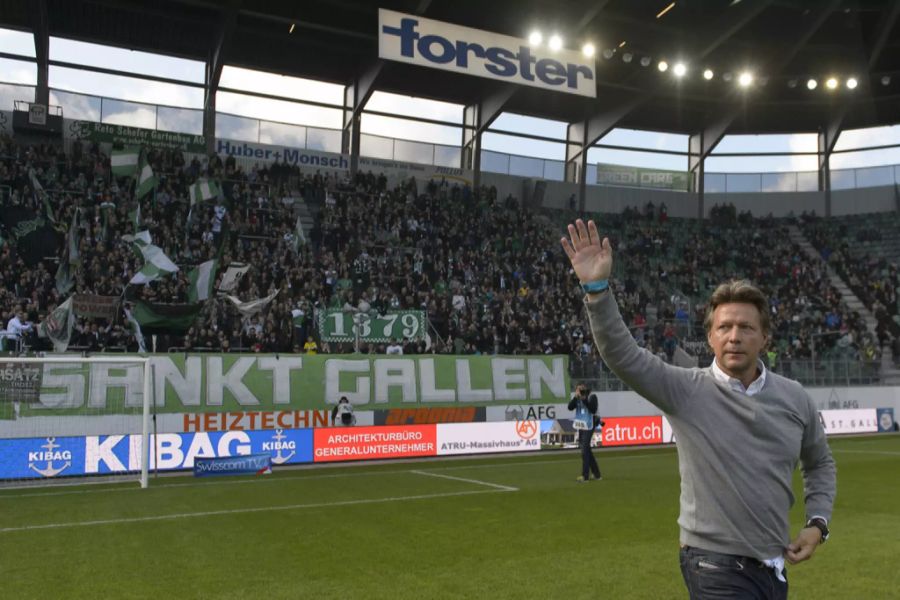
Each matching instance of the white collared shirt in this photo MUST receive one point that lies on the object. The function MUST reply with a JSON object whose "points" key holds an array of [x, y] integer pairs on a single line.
{"points": [[755, 386]]}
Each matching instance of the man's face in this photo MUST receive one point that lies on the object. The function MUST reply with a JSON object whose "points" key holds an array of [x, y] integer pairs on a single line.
{"points": [[736, 338]]}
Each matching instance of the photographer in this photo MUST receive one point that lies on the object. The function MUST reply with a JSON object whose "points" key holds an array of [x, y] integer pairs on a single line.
{"points": [[342, 414], [584, 403]]}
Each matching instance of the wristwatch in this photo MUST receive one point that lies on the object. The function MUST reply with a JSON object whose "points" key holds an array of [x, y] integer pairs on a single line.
{"points": [[820, 524]]}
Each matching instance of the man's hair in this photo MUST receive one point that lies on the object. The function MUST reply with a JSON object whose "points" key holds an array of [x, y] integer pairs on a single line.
{"points": [[738, 291]]}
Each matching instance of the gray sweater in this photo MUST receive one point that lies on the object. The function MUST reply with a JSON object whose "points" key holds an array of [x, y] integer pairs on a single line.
{"points": [[736, 453]]}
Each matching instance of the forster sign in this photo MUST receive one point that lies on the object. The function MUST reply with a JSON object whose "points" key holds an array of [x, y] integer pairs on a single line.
{"points": [[211, 383], [418, 41]]}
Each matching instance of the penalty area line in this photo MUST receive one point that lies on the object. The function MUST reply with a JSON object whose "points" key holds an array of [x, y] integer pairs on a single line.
{"points": [[503, 488], [238, 511]]}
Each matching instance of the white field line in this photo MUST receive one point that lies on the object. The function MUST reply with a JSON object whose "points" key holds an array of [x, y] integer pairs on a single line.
{"points": [[133, 487], [887, 452], [236, 511], [505, 488]]}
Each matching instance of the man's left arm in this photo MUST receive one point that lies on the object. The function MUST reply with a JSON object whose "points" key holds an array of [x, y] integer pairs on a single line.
{"points": [[819, 485]]}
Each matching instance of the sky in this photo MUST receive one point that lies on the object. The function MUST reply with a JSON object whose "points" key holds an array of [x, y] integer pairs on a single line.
{"points": [[314, 127]]}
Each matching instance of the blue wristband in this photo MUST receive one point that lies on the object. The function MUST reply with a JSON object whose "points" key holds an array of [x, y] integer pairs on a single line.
{"points": [[594, 287]]}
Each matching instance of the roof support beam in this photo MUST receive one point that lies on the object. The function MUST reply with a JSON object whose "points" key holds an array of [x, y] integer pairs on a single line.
{"points": [[37, 10], [477, 118], [214, 64], [356, 96], [831, 131], [703, 143], [600, 124]]}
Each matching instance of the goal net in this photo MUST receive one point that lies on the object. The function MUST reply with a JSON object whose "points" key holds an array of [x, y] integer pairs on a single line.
{"points": [[64, 419]]}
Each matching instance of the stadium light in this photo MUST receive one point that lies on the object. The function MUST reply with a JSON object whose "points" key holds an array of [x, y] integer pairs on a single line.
{"points": [[886, 80], [792, 83], [291, 30], [679, 70], [708, 74], [831, 83], [626, 57], [852, 83], [555, 42], [745, 79], [812, 84], [645, 62], [588, 49], [660, 14], [663, 66], [726, 76], [535, 38], [608, 53]]}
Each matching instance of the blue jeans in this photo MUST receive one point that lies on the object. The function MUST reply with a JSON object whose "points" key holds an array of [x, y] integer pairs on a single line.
{"points": [[588, 462], [711, 575]]}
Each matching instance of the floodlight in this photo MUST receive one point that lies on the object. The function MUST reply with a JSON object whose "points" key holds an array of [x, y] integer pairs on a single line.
{"points": [[535, 38], [555, 42]]}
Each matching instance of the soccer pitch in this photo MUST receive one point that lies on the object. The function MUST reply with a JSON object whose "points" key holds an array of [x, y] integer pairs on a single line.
{"points": [[497, 527]]}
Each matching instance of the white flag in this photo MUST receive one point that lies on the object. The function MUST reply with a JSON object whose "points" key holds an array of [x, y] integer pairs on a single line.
{"points": [[204, 190], [232, 276], [58, 325], [252, 307]]}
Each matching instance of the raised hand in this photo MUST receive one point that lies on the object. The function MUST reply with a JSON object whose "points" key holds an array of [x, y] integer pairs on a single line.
{"points": [[591, 259]]}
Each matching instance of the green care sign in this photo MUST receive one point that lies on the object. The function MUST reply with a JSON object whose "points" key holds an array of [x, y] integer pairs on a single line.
{"points": [[136, 136], [341, 326], [234, 382], [643, 178]]}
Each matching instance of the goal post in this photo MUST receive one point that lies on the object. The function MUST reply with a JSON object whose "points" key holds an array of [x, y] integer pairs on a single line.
{"points": [[67, 418]]}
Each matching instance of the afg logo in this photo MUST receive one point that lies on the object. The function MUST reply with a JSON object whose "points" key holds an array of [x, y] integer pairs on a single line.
{"points": [[526, 429]]}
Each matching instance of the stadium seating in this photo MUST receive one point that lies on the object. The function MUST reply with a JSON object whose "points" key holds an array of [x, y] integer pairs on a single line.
{"points": [[489, 273]]}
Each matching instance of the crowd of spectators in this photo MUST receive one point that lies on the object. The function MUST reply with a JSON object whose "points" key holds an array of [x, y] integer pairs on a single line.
{"points": [[488, 273]]}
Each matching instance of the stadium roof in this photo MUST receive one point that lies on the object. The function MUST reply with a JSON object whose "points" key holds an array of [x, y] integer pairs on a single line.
{"points": [[783, 42]]}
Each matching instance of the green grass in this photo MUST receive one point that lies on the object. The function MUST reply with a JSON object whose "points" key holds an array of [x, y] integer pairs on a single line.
{"points": [[385, 531]]}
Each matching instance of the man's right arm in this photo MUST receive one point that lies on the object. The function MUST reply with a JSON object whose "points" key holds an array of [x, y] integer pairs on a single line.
{"points": [[647, 374]]}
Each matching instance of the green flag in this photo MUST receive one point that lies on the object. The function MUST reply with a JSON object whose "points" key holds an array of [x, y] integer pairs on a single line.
{"points": [[146, 180], [202, 278], [135, 330], [156, 263], [124, 162], [204, 190], [173, 319], [135, 216]]}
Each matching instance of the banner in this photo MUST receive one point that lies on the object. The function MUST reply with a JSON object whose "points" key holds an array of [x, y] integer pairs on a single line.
{"points": [[423, 416], [253, 420], [251, 464], [481, 438], [428, 43], [529, 412], [95, 305], [198, 383], [885, 420], [632, 431], [34, 236], [644, 178], [134, 136], [50, 457], [861, 420], [20, 382], [232, 276], [341, 326], [371, 443], [173, 319]]}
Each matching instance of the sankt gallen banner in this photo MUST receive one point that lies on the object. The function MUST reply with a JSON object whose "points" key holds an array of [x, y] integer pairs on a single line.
{"points": [[229, 382], [427, 43]]}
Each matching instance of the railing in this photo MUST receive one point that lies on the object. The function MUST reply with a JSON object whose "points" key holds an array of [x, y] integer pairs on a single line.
{"points": [[247, 129]]}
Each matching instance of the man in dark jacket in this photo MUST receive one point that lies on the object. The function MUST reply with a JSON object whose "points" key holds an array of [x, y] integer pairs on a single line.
{"points": [[584, 403]]}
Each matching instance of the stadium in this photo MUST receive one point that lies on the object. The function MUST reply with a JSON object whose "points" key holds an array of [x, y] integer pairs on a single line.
{"points": [[284, 310]]}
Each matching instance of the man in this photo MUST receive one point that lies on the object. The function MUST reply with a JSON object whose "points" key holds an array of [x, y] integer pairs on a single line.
{"points": [[585, 406], [740, 429], [342, 414]]}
